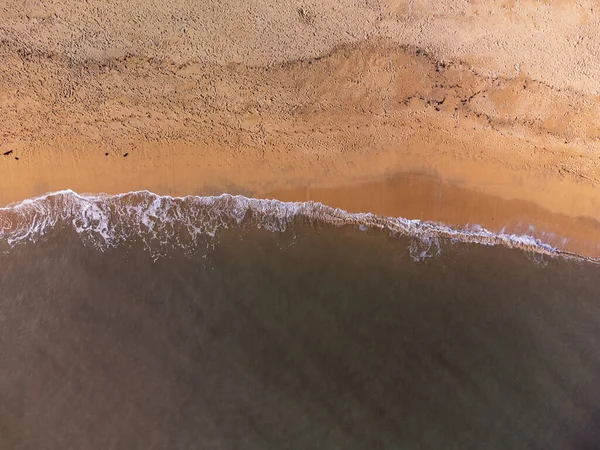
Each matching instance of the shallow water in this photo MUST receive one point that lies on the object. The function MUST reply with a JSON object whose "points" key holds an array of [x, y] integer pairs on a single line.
{"points": [[117, 331]]}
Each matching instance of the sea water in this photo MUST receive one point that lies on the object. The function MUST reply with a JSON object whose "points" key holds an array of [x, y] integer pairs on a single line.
{"points": [[141, 321]]}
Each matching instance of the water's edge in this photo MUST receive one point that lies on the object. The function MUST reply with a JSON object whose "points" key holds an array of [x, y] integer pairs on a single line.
{"points": [[110, 220]]}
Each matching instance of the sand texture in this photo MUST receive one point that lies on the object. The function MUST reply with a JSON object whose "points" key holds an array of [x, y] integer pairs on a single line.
{"points": [[499, 97]]}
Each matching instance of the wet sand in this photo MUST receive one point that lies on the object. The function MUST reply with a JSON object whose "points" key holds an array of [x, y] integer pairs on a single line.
{"points": [[425, 197], [429, 198]]}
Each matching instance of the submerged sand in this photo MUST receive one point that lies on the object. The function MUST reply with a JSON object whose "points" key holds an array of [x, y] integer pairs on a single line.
{"points": [[293, 99]]}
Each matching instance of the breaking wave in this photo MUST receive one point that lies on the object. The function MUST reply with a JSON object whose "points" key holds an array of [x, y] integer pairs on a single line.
{"points": [[162, 222]]}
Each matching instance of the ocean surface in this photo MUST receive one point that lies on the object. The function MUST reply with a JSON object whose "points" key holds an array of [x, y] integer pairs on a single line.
{"points": [[146, 322]]}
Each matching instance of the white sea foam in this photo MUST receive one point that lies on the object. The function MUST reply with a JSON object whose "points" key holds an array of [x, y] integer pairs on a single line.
{"points": [[162, 221]]}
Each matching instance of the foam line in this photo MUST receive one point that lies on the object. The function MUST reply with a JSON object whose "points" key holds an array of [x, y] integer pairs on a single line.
{"points": [[110, 220]]}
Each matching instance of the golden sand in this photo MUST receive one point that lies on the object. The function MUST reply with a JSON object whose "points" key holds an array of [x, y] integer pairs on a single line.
{"points": [[495, 101]]}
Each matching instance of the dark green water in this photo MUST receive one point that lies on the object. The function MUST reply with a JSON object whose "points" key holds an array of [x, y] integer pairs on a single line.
{"points": [[318, 337]]}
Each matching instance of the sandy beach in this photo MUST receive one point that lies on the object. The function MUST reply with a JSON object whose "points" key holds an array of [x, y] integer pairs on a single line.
{"points": [[299, 224], [497, 101]]}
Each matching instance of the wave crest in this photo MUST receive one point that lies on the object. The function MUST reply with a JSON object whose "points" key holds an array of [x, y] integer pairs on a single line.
{"points": [[163, 221]]}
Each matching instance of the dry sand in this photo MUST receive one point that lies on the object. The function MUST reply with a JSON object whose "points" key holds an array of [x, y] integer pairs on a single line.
{"points": [[498, 99]]}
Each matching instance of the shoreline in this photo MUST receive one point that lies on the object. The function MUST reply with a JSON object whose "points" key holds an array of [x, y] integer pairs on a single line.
{"points": [[431, 199], [308, 111], [106, 227], [413, 195]]}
